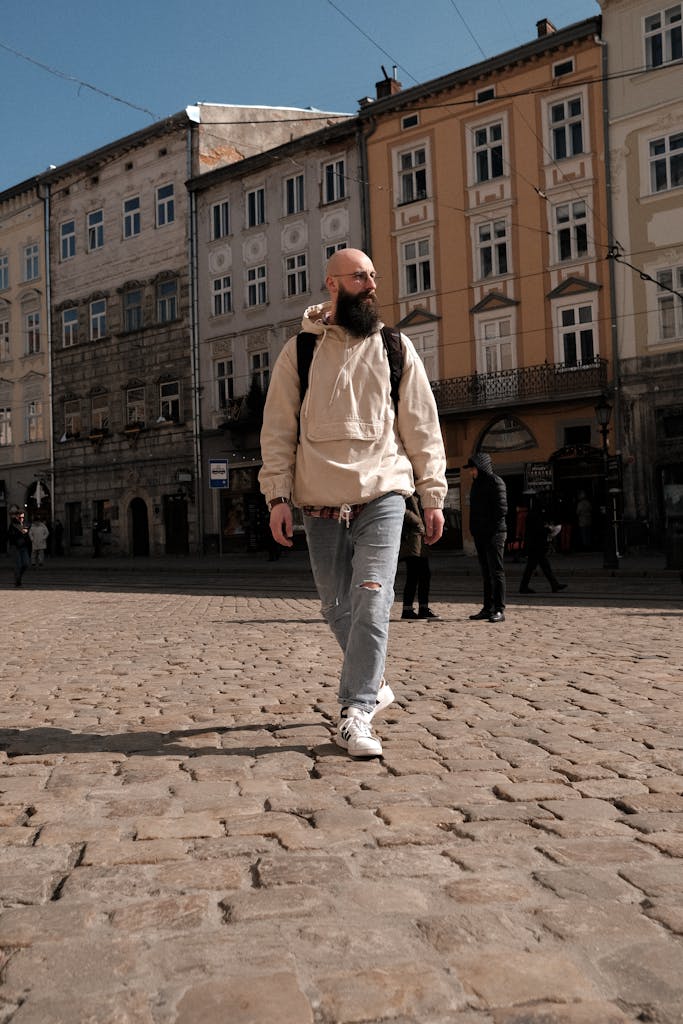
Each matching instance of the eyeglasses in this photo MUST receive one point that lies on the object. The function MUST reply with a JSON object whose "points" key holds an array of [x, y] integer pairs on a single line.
{"points": [[361, 276]]}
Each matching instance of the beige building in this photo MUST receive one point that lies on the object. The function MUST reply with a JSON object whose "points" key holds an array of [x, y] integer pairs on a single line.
{"points": [[643, 53], [265, 229], [127, 462], [25, 461], [489, 228]]}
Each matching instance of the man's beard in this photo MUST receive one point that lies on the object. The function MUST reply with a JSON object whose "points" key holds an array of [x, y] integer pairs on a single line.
{"points": [[357, 314]]}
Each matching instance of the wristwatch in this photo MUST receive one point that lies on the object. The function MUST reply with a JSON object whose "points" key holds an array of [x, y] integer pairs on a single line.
{"points": [[277, 501]]}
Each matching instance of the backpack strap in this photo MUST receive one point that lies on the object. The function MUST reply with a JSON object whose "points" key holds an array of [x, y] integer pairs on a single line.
{"points": [[305, 346], [391, 337]]}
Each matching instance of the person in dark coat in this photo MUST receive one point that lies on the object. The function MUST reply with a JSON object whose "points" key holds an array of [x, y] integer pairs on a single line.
{"points": [[414, 552], [19, 543], [537, 537], [488, 509]]}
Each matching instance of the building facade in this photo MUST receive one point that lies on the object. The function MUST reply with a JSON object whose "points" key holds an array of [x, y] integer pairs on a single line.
{"points": [[489, 227], [644, 55], [25, 448]]}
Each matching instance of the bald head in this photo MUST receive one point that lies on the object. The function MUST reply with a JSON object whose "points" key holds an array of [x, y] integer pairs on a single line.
{"points": [[350, 280]]}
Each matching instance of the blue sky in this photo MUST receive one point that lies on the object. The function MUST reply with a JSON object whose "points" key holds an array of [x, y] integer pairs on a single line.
{"points": [[160, 58]]}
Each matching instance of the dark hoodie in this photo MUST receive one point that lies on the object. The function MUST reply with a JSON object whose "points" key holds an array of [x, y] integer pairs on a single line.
{"points": [[488, 499]]}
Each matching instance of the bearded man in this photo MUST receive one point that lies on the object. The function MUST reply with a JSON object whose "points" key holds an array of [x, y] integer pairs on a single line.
{"points": [[348, 458]]}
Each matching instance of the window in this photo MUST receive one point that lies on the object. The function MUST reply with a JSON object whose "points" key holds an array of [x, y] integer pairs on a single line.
{"points": [[260, 368], [670, 306], [67, 239], [31, 262], [220, 219], [95, 230], [256, 207], [4, 272], [34, 422], [222, 295], [577, 344], [135, 405], [484, 95], [332, 248], [165, 205], [496, 346], [131, 217], [410, 121], [72, 418], [167, 301], [334, 181], [492, 248], [412, 175], [488, 152], [666, 163], [566, 125], [69, 327], [5, 350], [417, 266], [257, 292], [32, 322], [98, 319], [296, 274], [99, 413], [571, 230], [5, 426], [563, 67], [169, 400], [294, 194], [663, 37], [225, 382], [132, 309]]}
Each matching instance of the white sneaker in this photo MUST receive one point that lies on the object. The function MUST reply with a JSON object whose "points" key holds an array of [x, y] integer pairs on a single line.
{"points": [[355, 735], [385, 697]]}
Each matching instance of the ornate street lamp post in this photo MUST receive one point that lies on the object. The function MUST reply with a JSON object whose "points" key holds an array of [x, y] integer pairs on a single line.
{"points": [[603, 412]]}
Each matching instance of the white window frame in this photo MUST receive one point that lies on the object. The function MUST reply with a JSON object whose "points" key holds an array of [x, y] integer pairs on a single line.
{"points": [[331, 248], [221, 295], [220, 219], [132, 214], [571, 232], [259, 368], [255, 200], [5, 338], [5, 426], [169, 400], [132, 301], [296, 274], [31, 262], [73, 418], [496, 344], [32, 332], [294, 194], [165, 204], [583, 320], [95, 230], [257, 286], [333, 185], [567, 127], [412, 171], [670, 306], [99, 412], [225, 382], [69, 327], [67, 240], [4, 271], [167, 300], [488, 148], [666, 153], [491, 248], [416, 266], [135, 405], [662, 36], [34, 421], [98, 319]]}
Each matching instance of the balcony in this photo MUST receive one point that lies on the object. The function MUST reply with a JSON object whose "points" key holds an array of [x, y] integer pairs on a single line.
{"points": [[528, 385]]}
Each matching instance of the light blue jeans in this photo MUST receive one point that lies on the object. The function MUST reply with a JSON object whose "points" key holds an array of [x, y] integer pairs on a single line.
{"points": [[344, 560]]}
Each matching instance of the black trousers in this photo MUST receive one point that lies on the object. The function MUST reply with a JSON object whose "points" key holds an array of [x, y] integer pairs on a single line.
{"points": [[537, 557], [418, 577], [490, 554]]}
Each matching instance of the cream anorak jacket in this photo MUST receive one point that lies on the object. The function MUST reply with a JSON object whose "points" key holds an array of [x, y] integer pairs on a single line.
{"points": [[345, 444]]}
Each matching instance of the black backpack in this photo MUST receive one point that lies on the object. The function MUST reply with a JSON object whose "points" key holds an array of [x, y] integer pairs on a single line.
{"points": [[391, 336]]}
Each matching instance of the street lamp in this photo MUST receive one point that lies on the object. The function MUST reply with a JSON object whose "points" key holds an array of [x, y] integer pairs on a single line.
{"points": [[603, 413]]}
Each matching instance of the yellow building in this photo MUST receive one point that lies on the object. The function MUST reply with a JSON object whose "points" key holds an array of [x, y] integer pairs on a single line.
{"points": [[486, 193]]}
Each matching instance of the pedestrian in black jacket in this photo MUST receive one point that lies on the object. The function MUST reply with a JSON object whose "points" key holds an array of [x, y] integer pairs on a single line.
{"points": [[19, 543], [537, 537], [488, 509]]}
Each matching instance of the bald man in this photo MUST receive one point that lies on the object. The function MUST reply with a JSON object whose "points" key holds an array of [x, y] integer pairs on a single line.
{"points": [[348, 458]]}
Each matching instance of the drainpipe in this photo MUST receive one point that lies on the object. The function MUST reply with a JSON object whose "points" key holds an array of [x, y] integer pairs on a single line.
{"points": [[194, 347], [365, 190], [48, 303], [616, 370]]}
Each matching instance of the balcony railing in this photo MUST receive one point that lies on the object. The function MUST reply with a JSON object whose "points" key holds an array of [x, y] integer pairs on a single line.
{"points": [[529, 385]]}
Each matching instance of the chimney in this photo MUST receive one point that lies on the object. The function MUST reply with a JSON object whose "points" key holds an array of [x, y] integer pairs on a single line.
{"points": [[388, 86], [545, 27]]}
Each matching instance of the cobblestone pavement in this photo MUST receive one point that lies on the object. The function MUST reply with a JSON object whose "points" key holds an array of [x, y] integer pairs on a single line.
{"points": [[181, 842]]}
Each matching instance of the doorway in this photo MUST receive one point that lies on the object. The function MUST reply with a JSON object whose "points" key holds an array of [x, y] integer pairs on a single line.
{"points": [[139, 527]]}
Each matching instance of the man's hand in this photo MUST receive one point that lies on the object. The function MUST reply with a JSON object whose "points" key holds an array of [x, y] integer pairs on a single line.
{"points": [[281, 524], [434, 524]]}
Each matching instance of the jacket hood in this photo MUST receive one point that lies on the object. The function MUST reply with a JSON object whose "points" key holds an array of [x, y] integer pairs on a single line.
{"points": [[312, 320], [482, 461]]}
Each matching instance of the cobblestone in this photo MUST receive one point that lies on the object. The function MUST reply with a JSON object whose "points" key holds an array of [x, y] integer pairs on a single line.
{"points": [[181, 840]]}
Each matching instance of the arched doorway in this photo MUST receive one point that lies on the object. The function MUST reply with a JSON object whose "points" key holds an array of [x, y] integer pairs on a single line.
{"points": [[139, 527]]}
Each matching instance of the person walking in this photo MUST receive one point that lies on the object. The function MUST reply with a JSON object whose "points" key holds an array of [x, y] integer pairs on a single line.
{"points": [[415, 553], [488, 509], [537, 540], [347, 450], [38, 532], [19, 543]]}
